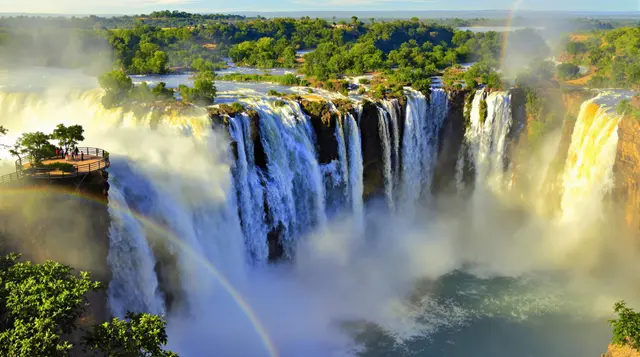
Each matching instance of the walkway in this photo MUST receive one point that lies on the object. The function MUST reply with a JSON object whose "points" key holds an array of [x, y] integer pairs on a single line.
{"points": [[94, 159]]}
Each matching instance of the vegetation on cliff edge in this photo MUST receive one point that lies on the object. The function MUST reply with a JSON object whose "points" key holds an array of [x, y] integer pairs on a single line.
{"points": [[41, 304]]}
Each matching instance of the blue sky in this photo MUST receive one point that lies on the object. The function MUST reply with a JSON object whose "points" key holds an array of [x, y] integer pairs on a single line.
{"points": [[142, 6]]}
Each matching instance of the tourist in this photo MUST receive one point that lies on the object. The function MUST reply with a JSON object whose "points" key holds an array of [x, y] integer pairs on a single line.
{"points": [[82, 156], [75, 151], [57, 153]]}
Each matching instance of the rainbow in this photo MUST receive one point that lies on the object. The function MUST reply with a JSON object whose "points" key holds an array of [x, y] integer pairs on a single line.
{"points": [[505, 34], [168, 234]]}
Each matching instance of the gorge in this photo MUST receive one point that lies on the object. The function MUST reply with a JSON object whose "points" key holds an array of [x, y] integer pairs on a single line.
{"points": [[317, 226]]}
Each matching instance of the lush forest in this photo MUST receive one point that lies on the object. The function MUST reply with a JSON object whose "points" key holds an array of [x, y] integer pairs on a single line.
{"points": [[611, 55]]}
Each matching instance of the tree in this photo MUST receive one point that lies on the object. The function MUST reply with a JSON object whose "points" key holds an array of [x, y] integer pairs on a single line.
{"points": [[626, 329], [203, 91], [35, 145], [140, 335], [117, 86], [39, 304], [567, 71], [69, 137]]}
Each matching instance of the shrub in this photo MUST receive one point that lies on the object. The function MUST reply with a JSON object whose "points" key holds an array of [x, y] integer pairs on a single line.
{"points": [[567, 71], [626, 329], [484, 111], [62, 166], [280, 103], [275, 93]]}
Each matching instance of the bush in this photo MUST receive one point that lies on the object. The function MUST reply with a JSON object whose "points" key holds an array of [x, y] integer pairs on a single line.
{"points": [[62, 166], [567, 71], [280, 103], [484, 111], [626, 329], [275, 93]]}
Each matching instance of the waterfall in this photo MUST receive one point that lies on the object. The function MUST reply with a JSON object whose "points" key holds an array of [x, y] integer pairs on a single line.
{"points": [[342, 158], [487, 138], [355, 185], [385, 142], [588, 173], [134, 284], [250, 190], [423, 122], [393, 107], [293, 181]]}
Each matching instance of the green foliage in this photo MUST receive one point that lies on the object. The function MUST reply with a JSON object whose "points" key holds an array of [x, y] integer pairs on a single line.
{"points": [[203, 91], [280, 103], [41, 304], [484, 111], [468, 106], [264, 53], [482, 73], [62, 166], [626, 328], [140, 335], [237, 107], [38, 304], [566, 71], [117, 86], [275, 93], [285, 80], [35, 146], [69, 137], [626, 108]]}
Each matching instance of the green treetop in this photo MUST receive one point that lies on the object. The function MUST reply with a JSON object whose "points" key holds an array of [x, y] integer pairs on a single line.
{"points": [[626, 328], [42, 303], [35, 145], [140, 335], [69, 137]]}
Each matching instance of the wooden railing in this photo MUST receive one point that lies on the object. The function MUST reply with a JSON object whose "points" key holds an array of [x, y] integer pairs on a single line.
{"points": [[46, 173]]}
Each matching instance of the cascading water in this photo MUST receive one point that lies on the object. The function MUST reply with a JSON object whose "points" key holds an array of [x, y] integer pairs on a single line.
{"points": [[423, 122], [354, 154], [487, 137], [385, 142], [249, 187], [134, 284], [293, 181], [393, 107], [588, 174]]}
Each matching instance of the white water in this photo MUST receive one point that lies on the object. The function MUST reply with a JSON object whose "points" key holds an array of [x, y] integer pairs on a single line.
{"points": [[488, 140], [250, 190], [385, 143], [393, 108], [293, 182], [356, 185], [423, 122], [588, 174], [134, 284]]}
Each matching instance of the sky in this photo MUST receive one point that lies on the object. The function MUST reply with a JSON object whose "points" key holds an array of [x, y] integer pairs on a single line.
{"points": [[226, 6]]}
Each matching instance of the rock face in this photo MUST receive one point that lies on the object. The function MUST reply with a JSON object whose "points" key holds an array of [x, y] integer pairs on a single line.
{"points": [[371, 151], [451, 139], [626, 172], [620, 351], [324, 123]]}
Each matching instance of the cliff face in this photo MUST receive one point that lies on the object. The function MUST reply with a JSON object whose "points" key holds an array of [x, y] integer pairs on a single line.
{"points": [[620, 351], [627, 172], [451, 138], [371, 151]]}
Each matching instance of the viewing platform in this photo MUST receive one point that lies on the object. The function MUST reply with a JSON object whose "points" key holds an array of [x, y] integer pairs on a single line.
{"points": [[94, 160]]}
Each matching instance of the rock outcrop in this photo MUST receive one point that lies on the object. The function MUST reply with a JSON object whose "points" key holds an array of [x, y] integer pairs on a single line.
{"points": [[451, 139], [620, 351], [626, 172]]}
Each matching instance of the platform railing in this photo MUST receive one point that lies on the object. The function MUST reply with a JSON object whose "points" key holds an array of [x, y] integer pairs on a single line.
{"points": [[45, 173]]}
